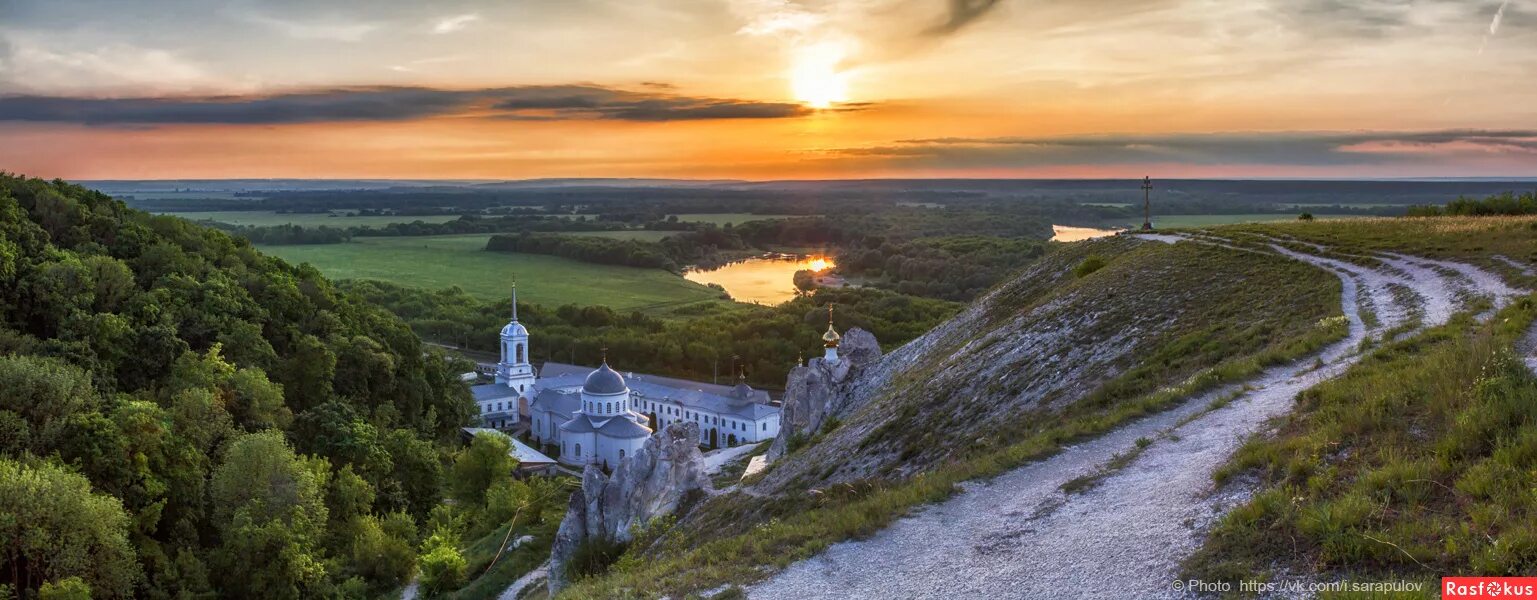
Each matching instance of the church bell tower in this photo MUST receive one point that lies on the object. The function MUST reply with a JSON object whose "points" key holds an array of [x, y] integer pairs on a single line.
{"points": [[515, 370]]}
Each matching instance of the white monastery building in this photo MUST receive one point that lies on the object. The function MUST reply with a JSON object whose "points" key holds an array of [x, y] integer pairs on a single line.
{"points": [[599, 416]]}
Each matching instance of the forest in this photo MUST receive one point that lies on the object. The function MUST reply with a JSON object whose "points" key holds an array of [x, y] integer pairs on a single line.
{"points": [[187, 418]]}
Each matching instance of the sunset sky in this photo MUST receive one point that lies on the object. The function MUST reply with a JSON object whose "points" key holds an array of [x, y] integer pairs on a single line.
{"points": [[768, 89]]}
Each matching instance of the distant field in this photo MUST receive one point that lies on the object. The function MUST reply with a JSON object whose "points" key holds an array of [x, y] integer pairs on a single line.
{"points": [[1352, 205], [638, 234], [436, 262], [1204, 220], [184, 195], [262, 218], [721, 219]]}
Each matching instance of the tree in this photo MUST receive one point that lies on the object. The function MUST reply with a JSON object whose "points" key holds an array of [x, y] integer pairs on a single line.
{"points": [[69, 588], [44, 392], [270, 506], [382, 550], [415, 482], [53, 527], [1307, 216], [485, 462], [442, 564]]}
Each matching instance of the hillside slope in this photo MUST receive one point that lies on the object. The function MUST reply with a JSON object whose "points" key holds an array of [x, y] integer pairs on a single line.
{"points": [[1113, 517], [1062, 352], [1075, 426]]}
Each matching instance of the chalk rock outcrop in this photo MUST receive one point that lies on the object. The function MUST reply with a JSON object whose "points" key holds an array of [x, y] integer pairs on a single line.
{"points": [[817, 390], [651, 483]]}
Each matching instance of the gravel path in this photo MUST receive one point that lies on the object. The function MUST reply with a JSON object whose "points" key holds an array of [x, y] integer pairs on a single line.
{"points": [[1020, 536], [538, 574], [715, 459]]}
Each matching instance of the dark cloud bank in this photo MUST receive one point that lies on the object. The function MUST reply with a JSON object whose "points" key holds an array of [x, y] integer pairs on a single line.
{"points": [[549, 103], [1263, 148]]}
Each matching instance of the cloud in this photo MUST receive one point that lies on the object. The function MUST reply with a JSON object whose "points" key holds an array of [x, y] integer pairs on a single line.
{"points": [[1241, 148], [962, 13], [454, 23], [1494, 26], [394, 103], [336, 31], [34, 61]]}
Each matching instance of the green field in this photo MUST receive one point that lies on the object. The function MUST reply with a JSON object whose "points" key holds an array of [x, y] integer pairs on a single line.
{"points": [[267, 217], [721, 219], [436, 262]]}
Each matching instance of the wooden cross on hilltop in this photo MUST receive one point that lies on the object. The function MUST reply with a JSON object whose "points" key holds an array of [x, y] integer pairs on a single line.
{"points": [[1147, 203]]}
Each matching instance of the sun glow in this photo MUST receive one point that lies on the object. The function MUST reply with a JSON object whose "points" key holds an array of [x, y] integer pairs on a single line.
{"points": [[818, 264], [816, 79]]}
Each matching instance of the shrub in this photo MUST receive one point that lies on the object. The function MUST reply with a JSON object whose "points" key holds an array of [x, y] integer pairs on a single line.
{"points": [[593, 556], [1089, 265], [442, 565]]}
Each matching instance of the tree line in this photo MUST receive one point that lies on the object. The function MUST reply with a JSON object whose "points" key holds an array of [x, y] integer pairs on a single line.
{"points": [[1508, 203]]}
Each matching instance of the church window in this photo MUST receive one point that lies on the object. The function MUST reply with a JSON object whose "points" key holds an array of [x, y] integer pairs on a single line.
{"points": [[621, 454], [519, 352], [765, 426], [578, 450]]}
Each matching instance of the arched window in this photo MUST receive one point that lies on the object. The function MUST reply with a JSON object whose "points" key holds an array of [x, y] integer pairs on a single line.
{"points": [[579, 450], [621, 454], [519, 349]]}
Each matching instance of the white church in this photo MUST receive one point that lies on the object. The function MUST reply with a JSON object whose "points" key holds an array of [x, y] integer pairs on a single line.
{"points": [[599, 416]]}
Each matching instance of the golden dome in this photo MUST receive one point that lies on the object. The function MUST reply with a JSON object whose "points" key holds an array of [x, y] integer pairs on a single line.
{"points": [[831, 337]]}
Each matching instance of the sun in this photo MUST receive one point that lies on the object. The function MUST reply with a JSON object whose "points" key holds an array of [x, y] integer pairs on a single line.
{"points": [[818, 265], [816, 80]]}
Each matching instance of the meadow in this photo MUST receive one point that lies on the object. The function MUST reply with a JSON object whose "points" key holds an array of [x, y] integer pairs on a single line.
{"points": [[436, 262]]}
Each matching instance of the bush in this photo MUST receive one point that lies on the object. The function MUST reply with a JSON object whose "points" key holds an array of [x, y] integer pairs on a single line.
{"points": [[442, 565], [1089, 265], [1307, 216], [593, 556]]}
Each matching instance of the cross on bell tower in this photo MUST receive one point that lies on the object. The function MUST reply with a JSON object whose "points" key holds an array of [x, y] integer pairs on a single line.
{"points": [[1147, 203]]}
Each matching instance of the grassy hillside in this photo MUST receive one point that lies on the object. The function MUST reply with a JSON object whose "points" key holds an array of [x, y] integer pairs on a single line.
{"points": [[1422, 460], [436, 262], [1091, 336]]}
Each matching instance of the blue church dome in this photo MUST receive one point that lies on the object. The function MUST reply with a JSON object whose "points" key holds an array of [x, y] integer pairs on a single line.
{"points": [[604, 381], [514, 329]]}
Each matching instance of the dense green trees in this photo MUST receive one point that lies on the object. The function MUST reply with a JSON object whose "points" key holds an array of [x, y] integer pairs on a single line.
{"points": [[483, 463], [55, 529], [629, 253], [184, 417], [958, 267]]}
